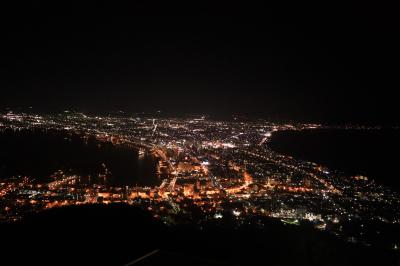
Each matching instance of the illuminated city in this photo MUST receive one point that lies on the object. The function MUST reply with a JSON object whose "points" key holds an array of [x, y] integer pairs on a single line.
{"points": [[217, 167]]}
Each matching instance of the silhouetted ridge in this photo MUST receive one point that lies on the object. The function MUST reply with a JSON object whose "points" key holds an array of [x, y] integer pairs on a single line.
{"points": [[117, 234], [81, 235]]}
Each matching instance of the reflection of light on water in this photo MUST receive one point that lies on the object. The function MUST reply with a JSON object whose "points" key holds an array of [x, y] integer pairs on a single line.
{"points": [[142, 154], [81, 155]]}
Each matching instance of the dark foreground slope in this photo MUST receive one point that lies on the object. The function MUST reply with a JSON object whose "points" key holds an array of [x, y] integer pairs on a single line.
{"points": [[119, 234]]}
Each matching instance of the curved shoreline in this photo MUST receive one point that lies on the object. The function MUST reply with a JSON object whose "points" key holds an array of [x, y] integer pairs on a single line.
{"points": [[353, 152]]}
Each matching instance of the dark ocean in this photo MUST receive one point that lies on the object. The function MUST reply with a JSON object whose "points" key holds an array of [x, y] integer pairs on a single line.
{"points": [[39, 154], [373, 153]]}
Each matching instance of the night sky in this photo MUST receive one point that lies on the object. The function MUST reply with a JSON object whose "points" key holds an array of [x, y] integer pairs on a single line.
{"points": [[295, 62]]}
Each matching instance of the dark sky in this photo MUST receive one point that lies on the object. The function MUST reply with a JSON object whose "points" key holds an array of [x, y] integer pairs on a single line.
{"points": [[303, 62]]}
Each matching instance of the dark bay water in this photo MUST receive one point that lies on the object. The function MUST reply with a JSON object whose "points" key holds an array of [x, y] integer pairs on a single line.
{"points": [[373, 153], [39, 154]]}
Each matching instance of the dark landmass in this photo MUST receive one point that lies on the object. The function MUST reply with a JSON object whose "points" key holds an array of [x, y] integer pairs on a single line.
{"points": [[118, 234]]}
